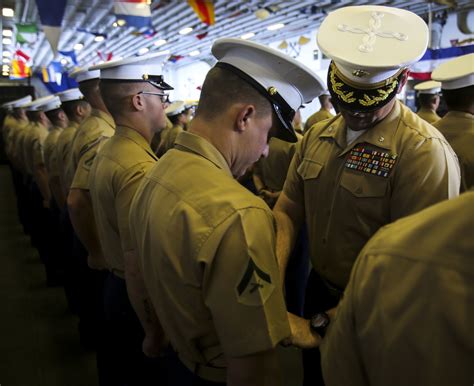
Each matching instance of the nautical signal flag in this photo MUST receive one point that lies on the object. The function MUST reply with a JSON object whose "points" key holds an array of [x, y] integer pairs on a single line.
{"points": [[52, 73], [51, 14], [19, 69], [136, 13], [26, 33], [204, 9]]}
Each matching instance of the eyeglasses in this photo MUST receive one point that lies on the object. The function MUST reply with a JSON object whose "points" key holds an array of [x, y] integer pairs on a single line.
{"points": [[164, 98]]}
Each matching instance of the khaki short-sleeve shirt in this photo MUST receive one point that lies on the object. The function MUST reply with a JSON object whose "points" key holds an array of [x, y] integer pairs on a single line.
{"points": [[458, 128], [394, 169], [116, 173], [207, 249], [406, 317], [428, 115], [95, 129], [48, 147], [318, 116], [273, 169]]}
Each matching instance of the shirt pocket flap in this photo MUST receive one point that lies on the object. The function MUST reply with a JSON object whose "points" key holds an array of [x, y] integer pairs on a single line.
{"points": [[361, 185], [309, 169]]}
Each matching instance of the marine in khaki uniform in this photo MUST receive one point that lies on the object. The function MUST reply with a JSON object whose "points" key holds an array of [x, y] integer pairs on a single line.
{"points": [[77, 109], [407, 316], [177, 113], [428, 99], [92, 131], [134, 92], [269, 173], [323, 113], [457, 78], [206, 243], [59, 121], [372, 164]]}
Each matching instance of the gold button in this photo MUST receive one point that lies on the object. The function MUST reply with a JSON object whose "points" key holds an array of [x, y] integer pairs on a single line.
{"points": [[381, 139]]}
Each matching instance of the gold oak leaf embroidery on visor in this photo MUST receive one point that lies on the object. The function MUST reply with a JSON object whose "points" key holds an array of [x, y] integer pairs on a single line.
{"points": [[255, 285]]}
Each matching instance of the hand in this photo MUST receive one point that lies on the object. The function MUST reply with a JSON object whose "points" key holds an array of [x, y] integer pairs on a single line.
{"points": [[301, 334], [97, 263], [153, 344]]}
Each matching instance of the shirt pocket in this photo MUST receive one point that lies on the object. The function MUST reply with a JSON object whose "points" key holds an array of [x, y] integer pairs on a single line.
{"points": [[364, 185], [309, 169]]}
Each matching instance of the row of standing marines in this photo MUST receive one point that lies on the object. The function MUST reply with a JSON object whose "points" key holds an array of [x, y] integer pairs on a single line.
{"points": [[178, 272]]}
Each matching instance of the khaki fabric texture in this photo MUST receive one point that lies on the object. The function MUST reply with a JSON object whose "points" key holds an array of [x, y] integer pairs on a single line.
{"points": [[58, 155], [169, 137], [458, 128], [318, 116], [95, 129], [406, 316], [116, 173], [17, 151], [207, 252], [428, 115], [49, 146], [33, 143], [344, 207], [273, 169]]}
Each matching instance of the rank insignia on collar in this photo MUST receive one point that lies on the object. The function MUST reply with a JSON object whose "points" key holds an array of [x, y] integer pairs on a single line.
{"points": [[366, 160], [255, 285]]}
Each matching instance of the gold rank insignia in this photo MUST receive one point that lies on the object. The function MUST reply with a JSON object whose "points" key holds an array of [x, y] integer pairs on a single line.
{"points": [[255, 285], [145, 76], [272, 90]]}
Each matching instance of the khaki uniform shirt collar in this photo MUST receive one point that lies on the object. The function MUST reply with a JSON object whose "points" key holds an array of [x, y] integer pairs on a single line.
{"points": [[105, 116], [459, 114], [186, 141], [134, 136], [381, 135]]}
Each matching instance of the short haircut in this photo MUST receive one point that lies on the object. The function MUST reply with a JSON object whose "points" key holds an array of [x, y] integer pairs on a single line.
{"points": [[323, 97], [222, 89], [459, 99], [70, 107], [175, 118], [115, 94], [89, 88], [34, 115], [53, 115], [426, 100]]}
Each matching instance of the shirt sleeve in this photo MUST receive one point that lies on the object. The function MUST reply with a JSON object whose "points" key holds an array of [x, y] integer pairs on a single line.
{"points": [[294, 185], [427, 174], [123, 200], [241, 284], [86, 159]]}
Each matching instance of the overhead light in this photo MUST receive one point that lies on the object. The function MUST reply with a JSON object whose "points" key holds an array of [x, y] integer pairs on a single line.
{"points": [[78, 46], [194, 53], [247, 35], [6, 60], [64, 61], [99, 38], [143, 51], [8, 12], [6, 41], [160, 42], [185, 31], [121, 22], [274, 27], [7, 33], [115, 24], [5, 73], [5, 67], [7, 53]]}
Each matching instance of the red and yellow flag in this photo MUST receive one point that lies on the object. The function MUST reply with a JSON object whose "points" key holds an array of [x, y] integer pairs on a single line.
{"points": [[20, 69], [204, 9]]}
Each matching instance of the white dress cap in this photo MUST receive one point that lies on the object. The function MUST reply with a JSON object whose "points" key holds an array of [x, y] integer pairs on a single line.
{"points": [[73, 94], [175, 108], [37, 103], [132, 68], [81, 74], [52, 104], [19, 102], [277, 74], [455, 73], [370, 43], [428, 87]]}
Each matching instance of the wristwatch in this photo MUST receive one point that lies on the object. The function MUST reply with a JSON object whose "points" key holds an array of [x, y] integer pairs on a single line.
{"points": [[319, 322]]}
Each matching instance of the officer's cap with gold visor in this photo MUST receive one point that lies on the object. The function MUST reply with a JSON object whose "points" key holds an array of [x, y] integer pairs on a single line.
{"points": [[285, 82], [146, 68], [370, 47]]}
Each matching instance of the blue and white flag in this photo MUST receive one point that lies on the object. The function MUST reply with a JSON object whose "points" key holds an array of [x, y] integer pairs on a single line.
{"points": [[136, 13]]}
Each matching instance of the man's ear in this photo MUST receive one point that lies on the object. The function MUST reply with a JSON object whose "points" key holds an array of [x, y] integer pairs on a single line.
{"points": [[244, 114], [137, 102], [403, 81]]}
